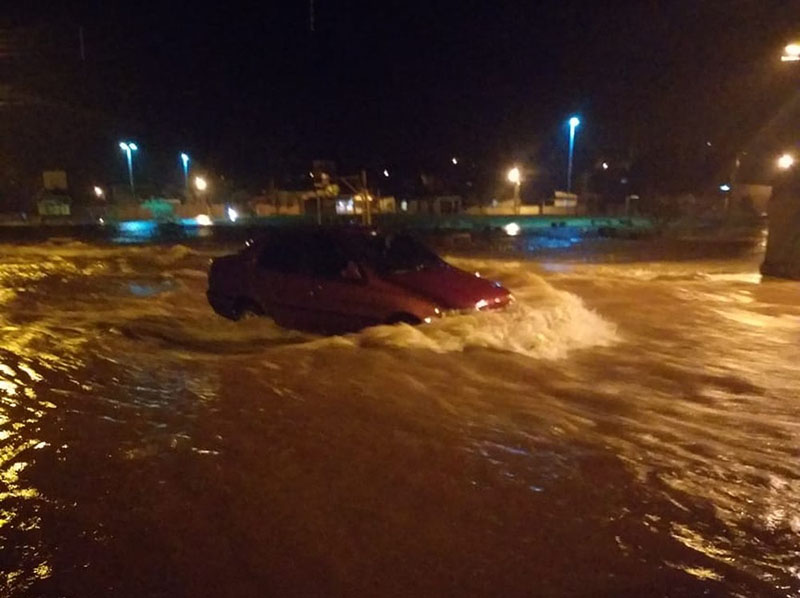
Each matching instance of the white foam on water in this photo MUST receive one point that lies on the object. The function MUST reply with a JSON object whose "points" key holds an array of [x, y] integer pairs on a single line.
{"points": [[544, 322], [536, 331]]}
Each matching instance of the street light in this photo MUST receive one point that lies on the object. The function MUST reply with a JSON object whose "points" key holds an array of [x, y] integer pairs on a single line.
{"points": [[200, 183], [574, 122], [185, 163], [454, 160], [386, 173], [98, 192], [514, 177], [786, 161], [129, 147], [791, 53]]}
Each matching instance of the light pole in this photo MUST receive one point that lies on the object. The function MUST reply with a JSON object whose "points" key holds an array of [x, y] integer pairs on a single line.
{"points": [[574, 122], [201, 185], [129, 147], [514, 177], [185, 164]]}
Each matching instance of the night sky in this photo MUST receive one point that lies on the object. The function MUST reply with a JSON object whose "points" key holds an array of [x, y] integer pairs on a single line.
{"points": [[251, 91]]}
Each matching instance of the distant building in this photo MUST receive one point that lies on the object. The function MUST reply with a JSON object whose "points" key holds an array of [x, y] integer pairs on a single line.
{"points": [[51, 204], [444, 204], [756, 197]]}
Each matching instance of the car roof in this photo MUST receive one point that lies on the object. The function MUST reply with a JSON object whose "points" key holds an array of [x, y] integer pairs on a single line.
{"points": [[299, 232]]}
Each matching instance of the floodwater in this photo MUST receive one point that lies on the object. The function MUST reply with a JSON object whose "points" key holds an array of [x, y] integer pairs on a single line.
{"points": [[628, 428]]}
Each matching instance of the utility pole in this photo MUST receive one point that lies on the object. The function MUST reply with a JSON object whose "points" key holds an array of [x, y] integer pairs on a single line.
{"points": [[358, 186], [365, 192], [82, 44]]}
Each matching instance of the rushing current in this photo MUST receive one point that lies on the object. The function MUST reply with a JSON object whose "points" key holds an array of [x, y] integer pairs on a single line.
{"points": [[630, 427]]}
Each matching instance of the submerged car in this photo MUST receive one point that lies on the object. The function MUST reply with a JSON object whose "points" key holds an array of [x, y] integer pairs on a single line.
{"points": [[341, 280]]}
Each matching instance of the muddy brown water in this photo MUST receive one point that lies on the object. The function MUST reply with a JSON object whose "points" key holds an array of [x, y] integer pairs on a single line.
{"points": [[630, 428]]}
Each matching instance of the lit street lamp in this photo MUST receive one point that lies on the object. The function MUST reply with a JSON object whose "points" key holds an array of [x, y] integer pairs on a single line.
{"points": [[200, 183], [185, 164], [786, 161], [574, 122], [98, 192], [791, 53], [129, 147], [514, 177], [201, 186]]}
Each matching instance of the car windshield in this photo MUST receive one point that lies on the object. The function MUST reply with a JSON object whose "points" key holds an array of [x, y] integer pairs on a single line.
{"points": [[395, 253]]}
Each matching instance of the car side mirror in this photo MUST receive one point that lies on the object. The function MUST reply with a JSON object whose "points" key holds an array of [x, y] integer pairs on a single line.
{"points": [[352, 272]]}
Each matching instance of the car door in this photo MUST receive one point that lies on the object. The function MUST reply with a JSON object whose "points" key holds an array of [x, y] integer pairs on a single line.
{"points": [[343, 297], [282, 281]]}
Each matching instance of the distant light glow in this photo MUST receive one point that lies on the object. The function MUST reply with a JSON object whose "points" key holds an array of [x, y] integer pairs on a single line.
{"points": [[123, 146], [454, 160], [385, 172], [574, 122], [133, 146], [233, 215], [483, 303], [98, 191], [512, 229], [101, 220], [138, 227], [311, 174], [184, 158], [725, 187], [514, 175], [605, 165], [203, 220], [200, 183], [791, 53], [786, 161], [477, 274], [404, 206], [427, 320]]}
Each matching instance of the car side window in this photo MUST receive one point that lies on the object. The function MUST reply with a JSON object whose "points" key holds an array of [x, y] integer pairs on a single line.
{"points": [[281, 254], [325, 258]]}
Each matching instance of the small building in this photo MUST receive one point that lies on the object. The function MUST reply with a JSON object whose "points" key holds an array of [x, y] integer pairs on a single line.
{"points": [[54, 205], [755, 197], [438, 205]]}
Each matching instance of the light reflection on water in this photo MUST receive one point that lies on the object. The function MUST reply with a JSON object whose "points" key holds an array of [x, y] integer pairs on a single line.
{"points": [[667, 458]]}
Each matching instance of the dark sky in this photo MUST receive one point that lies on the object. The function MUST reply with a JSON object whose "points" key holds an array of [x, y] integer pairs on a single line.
{"points": [[407, 84]]}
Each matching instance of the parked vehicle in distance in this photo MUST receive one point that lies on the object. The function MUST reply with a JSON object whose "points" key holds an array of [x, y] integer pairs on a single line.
{"points": [[341, 280]]}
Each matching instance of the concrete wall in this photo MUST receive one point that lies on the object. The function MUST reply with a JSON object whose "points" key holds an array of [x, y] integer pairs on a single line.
{"points": [[783, 244]]}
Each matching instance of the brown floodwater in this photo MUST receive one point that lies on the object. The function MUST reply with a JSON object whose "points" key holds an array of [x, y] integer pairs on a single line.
{"points": [[628, 428]]}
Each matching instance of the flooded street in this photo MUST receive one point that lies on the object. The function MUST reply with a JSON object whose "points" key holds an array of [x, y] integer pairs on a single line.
{"points": [[627, 428]]}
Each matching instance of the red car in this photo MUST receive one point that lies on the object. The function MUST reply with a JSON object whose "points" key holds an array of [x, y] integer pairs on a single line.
{"points": [[341, 280]]}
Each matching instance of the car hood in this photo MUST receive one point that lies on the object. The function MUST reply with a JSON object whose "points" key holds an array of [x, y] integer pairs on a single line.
{"points": [[450, 287]]}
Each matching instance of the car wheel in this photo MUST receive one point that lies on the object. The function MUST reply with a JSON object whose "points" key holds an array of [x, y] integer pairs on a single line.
{"points": [[243, 308], [402, 318]]}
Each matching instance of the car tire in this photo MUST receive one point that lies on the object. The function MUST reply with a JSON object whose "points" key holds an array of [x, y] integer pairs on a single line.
{"points": [[403, 318], [242, 308]]}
